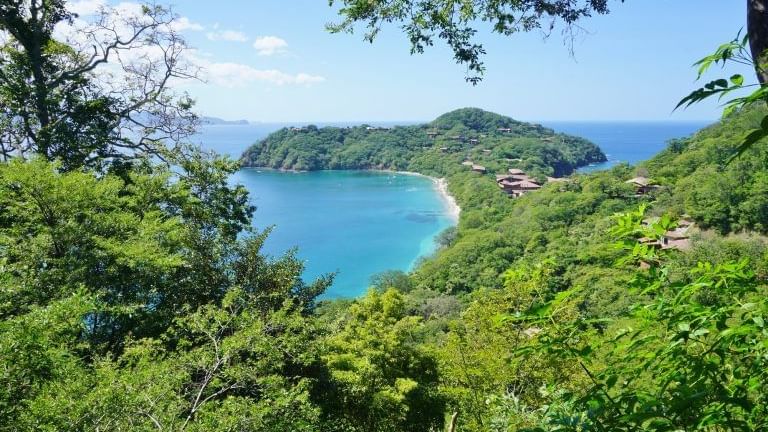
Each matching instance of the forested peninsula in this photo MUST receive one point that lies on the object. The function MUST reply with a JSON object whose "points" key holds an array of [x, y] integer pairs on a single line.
{"points": [[490, 140]]}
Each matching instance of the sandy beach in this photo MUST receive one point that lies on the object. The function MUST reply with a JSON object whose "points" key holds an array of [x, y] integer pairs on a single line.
{"points": [[441, 185], [450, 202]]}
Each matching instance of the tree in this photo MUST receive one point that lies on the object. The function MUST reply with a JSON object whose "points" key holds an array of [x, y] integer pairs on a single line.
{"points": [[383, 379], [453, 22], [88, 90], [138, 292], [757, 29], [689, 358]]}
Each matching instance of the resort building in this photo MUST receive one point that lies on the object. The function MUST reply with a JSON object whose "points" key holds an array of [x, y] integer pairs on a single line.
{"points": [[642, 185], [479, 169], [516, 183], [678, 238]]}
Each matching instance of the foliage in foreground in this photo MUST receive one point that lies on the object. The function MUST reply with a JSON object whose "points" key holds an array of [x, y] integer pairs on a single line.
{"points": [[692, 357], [133, 303]]}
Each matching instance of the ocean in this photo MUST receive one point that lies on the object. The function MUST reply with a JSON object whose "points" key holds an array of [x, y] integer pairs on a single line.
{"points": [[358, 223], [629, 142]]}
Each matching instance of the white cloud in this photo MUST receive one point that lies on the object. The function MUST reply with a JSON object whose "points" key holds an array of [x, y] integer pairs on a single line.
{"points": [[238, 75], [270, 45], [86, 7], [183, 23], [125, 10], [228, 35]]}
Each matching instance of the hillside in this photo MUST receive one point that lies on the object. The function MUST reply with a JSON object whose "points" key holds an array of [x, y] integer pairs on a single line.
{"points": [[549, 264], [541, 313], [488, 139], [215, 121], [558, 296], [726, 197]]}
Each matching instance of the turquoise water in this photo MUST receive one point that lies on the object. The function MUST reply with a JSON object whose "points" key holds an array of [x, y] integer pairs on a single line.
{"points": [[356, 223], [362, 223]]}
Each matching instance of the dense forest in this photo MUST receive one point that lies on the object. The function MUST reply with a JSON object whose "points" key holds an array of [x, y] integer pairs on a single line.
{"points": [[485, 138], [528, 300], [135, 296]]}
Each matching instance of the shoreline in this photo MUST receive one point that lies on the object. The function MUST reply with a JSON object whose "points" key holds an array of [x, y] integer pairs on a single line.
{"points": [[453, 210]]}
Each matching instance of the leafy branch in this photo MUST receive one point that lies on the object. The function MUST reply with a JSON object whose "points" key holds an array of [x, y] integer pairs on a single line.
{"points": [[733, 52]]}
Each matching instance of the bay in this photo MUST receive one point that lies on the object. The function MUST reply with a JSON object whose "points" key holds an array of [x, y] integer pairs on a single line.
{"points": [[360, 223], [355, 223]]}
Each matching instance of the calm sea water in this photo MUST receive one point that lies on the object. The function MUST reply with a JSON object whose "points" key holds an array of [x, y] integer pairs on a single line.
{"points": [[356, 223], [361, 223], [630, 142]]}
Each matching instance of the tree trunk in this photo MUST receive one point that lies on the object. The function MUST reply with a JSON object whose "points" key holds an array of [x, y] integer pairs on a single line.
{"points": [[452, 426], [757, 29]]}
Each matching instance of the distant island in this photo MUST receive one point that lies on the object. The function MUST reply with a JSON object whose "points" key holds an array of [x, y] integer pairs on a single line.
{"points": [[488, 140], [208, 121]]}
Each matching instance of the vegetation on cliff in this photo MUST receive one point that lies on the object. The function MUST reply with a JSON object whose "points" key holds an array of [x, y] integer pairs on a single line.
{"points": [[485, 138]]}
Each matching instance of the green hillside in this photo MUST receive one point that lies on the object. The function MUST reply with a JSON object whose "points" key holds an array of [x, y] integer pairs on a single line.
{"points": [[488, 139], [136, 293], [724, 197]]}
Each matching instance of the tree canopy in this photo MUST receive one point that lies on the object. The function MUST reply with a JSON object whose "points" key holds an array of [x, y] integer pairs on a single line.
{"points": [[438, 147], [454, 22], [91, 90], [135, 295]]}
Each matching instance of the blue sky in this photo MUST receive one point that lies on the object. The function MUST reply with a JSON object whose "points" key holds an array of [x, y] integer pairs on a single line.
{"points": [[634, 64]]}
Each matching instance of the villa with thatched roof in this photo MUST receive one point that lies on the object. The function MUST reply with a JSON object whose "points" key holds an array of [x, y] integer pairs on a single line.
{"points": [[678, 238], [642, 185]]}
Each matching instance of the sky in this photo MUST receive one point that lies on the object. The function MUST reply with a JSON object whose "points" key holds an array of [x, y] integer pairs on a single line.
{"points": [[273, 61]]}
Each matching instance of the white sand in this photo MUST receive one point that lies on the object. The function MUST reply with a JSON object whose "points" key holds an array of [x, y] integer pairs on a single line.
{"points": [[450, 202], [441, 185]]}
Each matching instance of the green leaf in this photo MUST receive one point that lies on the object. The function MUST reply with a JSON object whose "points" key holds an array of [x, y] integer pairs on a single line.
{"points": [[751, 138]]}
